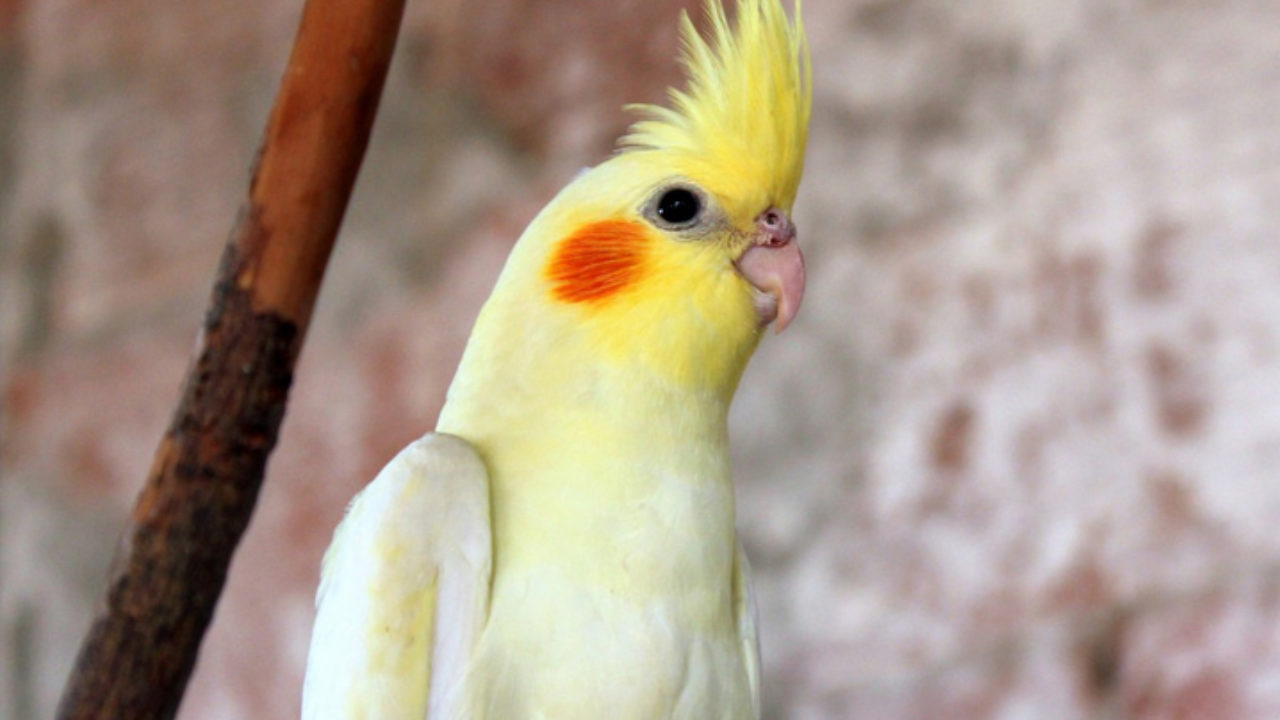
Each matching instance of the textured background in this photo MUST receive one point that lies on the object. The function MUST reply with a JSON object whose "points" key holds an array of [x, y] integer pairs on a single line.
{"points": [[1016, 459]]}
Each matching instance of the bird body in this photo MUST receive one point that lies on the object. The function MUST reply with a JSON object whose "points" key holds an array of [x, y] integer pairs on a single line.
{"points": [[564, 545]]}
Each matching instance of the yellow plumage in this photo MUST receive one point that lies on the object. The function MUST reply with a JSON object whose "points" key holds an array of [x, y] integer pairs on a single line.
{"points": [[564, 545], [742, 124]]}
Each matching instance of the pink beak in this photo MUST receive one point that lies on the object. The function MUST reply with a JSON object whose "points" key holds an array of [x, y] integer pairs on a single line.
{"points": [[775, 267]]}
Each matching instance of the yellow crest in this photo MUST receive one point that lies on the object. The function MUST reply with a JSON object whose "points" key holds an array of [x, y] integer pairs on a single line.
{"points": [[742, 123]]}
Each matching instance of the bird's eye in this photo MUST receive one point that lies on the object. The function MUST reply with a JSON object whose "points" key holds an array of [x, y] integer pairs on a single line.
{"points": [[678, 206]]}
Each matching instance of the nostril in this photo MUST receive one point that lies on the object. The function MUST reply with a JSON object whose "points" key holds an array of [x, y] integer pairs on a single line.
{"points": [[774, 228]]}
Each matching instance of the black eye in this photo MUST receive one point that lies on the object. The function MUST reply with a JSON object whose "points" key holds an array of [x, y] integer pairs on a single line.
{"points": [[678, 206]]}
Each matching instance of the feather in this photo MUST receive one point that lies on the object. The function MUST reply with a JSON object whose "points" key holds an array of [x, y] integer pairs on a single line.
{"points": [[745, 112], [405, 589]]}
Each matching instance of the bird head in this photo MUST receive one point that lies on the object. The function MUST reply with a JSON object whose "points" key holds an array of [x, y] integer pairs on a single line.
{"points": [[672, 256]]}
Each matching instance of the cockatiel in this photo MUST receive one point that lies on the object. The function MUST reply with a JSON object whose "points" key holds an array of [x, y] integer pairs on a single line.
{"points": [[563, 546]]}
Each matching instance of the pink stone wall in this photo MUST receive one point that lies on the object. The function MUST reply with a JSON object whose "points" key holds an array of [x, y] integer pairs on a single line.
{"points": [[1017, 458]]}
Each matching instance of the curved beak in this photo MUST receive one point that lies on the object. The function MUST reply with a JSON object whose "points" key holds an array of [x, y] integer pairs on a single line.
{"points": [[775, 268]]}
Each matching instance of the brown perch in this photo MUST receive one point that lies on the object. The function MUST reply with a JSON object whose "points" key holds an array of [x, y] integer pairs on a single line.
{"points": [[138, 655]]}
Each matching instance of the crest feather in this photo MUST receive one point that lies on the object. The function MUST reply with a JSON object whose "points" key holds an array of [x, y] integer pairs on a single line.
{"points": [[742, 123]]}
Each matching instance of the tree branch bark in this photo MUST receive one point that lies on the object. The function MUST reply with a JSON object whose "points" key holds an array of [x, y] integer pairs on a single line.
{"points": [[138, 655]]}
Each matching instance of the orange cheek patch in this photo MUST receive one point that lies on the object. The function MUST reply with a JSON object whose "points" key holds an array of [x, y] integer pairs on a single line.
{"points": [[598, 260]]}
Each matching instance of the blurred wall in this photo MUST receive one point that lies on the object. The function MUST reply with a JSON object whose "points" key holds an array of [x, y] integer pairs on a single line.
{"points": [[1016, 459]]}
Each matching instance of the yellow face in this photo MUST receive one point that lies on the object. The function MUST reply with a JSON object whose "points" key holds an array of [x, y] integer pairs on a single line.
{"points": [[653, 274], [670, 257], [648, 270]]}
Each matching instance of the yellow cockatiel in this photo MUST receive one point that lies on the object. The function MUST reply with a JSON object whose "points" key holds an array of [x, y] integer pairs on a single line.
{"points": [[563, 546]]}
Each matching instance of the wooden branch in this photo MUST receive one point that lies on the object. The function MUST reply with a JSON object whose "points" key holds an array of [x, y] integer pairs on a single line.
{"points": [[138, 655]]}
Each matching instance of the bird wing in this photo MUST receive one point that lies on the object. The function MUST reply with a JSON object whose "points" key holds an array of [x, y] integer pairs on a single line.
{"points": [[744, 599], [404, 590]]}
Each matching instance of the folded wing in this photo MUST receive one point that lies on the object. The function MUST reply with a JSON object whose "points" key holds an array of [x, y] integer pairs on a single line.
{"points": [[744, 599], [404, 590]]}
